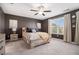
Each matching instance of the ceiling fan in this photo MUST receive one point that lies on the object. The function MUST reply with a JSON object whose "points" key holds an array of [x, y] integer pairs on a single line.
{"points": [[40, 10]]}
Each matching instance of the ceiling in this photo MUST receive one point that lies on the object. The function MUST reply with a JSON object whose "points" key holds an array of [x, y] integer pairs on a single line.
{"points": [[23, 9]]}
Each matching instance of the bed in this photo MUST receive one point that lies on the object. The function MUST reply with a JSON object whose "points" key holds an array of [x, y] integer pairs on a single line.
{"points": [[34, 39]]}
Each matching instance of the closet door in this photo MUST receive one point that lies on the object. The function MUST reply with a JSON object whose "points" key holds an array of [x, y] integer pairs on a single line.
{"points": [[77, 28]]}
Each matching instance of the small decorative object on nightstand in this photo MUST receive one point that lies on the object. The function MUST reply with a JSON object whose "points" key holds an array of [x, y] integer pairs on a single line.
{"points": [[2, 44], [13, 37]]}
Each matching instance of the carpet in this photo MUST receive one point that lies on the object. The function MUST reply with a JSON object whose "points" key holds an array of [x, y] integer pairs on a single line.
{"points": [[55, 47]]}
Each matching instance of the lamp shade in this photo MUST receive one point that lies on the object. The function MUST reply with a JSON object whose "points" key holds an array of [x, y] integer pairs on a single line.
{"points": [[14, 29], [39, 25]]}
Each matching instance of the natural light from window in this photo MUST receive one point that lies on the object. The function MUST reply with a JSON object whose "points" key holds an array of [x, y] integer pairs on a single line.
{"points": [[56, 26]]}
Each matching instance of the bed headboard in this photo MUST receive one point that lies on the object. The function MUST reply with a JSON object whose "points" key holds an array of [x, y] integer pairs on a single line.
{"points": [[23, 29]]}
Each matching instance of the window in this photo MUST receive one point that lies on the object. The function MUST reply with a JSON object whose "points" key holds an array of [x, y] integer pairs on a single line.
{"points": [[13, 24], [56, 26]]}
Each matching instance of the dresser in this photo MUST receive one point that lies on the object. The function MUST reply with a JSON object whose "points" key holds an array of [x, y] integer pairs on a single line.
{"points": [[2, 44], [13, 37]]}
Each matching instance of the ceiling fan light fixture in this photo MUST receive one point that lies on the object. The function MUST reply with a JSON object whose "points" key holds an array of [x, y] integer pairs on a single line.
{"points": [[40, 12]]}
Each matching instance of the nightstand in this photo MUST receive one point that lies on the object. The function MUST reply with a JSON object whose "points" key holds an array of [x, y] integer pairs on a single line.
{"points": [[2, 44], [13, 37]]}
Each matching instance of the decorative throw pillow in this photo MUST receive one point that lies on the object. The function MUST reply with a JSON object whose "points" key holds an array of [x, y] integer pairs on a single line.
{"points": [[28, 30], [33, 30]]}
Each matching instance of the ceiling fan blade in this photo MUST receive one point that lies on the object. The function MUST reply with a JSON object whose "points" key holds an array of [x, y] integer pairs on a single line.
{"points": [[43, 14], [33, 10], [35, 13], [47, 11]]}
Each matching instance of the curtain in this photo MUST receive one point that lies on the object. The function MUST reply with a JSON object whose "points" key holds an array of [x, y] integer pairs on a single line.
{"points": [[50, 27], [67, 28], [77, 28]]}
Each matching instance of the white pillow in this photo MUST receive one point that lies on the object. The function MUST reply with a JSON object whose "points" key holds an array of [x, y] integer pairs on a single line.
{"points": [[33, 30]]}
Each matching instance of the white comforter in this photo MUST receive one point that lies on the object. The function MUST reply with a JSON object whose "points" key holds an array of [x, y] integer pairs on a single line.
{"points": [[33, 36]]}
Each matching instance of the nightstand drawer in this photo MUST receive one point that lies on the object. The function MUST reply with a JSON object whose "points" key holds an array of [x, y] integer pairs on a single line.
{"points": [[2, 50], [1, 47], [1, 37], [14, 36], [1, 41], [2, 44]]}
